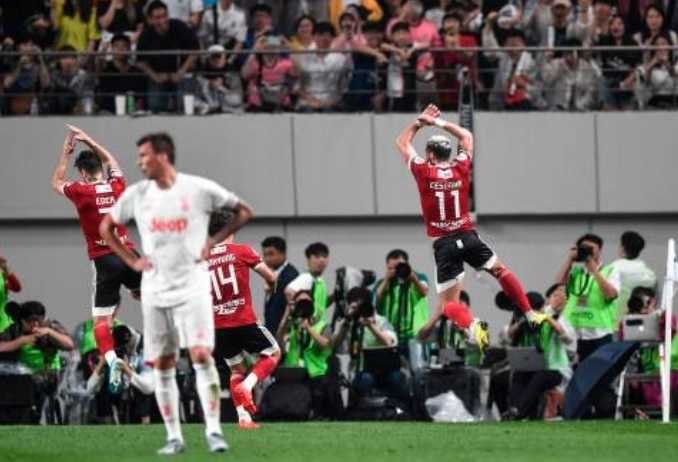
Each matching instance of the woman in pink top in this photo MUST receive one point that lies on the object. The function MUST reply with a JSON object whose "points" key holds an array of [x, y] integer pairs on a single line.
{"points": [[269, 77]]}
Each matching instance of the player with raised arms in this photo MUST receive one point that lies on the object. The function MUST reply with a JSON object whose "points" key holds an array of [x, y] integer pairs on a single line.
{"points": [[443, 183]]}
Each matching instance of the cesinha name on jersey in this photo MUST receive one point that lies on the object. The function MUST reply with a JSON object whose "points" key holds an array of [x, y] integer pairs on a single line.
{"points": [[93, 201], [444, 192], [229, 266]]}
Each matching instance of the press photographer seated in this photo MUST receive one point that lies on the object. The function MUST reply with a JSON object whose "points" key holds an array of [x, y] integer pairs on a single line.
{"points": [[35, 342], [306, 341], [362, 329]]}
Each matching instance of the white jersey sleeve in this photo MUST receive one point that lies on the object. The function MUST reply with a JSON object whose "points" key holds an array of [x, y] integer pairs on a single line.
{"points": [[123, 209], [216, 197]]}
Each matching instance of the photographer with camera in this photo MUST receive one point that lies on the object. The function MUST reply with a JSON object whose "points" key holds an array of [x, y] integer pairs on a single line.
{"points": [[306, 341], [35, 342], [312, 281], [401, 296], [592, 289], [362, 328]]}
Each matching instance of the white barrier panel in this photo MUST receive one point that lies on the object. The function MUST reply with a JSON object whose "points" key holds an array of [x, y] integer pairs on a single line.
{"points": [[665, 348]]}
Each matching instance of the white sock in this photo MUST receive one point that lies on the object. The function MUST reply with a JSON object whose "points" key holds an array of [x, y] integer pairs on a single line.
{"points": [[207, 383], [110, 357], [250, 381], [243, 415], [167, 395]]}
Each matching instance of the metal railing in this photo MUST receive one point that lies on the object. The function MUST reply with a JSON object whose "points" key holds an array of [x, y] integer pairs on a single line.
{"points": [[34, 85]]}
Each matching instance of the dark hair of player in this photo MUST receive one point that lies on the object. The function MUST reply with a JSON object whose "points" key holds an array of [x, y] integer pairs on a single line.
{"points": [[89, 162], [440, 147], [591, 238], [633, 243], [317, 249], [218, 220], [278, 243], [397, 253], [161, 142]]}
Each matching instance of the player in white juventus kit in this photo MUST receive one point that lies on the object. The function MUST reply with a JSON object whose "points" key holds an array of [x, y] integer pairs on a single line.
{"points": [[172, 212]]}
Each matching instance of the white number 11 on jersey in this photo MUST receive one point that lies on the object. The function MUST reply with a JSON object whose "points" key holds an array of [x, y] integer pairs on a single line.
{"points": [[441, 204], [219, 279]]}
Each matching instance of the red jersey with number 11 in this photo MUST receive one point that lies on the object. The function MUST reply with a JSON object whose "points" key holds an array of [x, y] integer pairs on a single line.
{"points": [[229, 266], [444, 192]]}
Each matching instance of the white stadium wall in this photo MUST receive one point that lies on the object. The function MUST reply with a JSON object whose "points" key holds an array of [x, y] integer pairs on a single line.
{"points": [[541, 180]]}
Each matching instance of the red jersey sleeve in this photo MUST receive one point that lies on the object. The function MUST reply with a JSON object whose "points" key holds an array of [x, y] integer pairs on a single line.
{"points": [[251, 257], [418, 167], [73, 190]]}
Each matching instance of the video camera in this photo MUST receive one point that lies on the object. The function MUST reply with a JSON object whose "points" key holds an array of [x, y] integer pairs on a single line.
{"points": [[583, 252], [303, 309], [403, 271]]}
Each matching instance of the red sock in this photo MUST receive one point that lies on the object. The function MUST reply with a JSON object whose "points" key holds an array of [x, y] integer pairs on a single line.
{"points": [[458, 314], [511, 286], [104, 338], [264, 367], [236, 378]]}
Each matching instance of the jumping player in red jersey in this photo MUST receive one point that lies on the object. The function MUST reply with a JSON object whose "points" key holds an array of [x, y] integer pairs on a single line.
{"points": [[443, 183], [93, 197], [237, 327]]}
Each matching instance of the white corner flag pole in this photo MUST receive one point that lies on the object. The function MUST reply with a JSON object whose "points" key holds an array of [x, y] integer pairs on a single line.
{"points": [[665, 348]]}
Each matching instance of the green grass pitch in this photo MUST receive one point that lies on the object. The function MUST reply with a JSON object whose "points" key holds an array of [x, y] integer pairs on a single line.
{"points": [[361, 442]]}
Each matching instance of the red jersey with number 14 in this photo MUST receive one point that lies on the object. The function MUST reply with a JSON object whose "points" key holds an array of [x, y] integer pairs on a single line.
{"points": [[443, 192], [229, 266], [93, 201]]}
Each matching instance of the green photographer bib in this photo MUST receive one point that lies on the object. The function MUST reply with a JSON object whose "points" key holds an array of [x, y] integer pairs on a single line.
{"points": [[586, 305]]}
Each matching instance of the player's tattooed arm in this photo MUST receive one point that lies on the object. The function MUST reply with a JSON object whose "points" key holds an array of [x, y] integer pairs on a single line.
{"points": [[58, 178], [106, 157], [107, 231]]}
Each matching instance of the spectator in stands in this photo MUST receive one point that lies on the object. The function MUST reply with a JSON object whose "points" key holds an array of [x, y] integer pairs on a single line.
{"points": [[317, 259], [423, 33], [554, 337], [401, 296], [270, 77], [35, 342], [274, 252], [230, 30], [659, 75], [551, 23], [449, 63], [406, 63], [570, 83], [516, 85], [76, 24], [618, 67], [303, 37], [368, 10], [186, 11], [600, 25], [323, 74], [9, 282], [219, 87], [167, 75], [592, 289], [286, 13], [435, 15], [120, 77], [72, 79], [25, 79], [120, 17], [366, 88], [654, 25], [305, 339], [350, 33], [262, 24], [370, 330], [633, 272], [29, 17]]}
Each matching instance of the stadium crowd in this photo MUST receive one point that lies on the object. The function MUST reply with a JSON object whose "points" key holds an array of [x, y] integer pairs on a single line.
{"points": [[229, 56], [368, 349]]}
